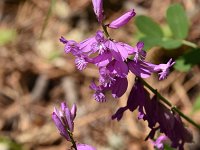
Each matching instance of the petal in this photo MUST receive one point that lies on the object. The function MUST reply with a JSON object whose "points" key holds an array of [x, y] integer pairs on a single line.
{"points": [[121, 21], [73, 111], [85, 147], [60, 126], [119, 114], [68, 117], [120, 87], [98, 9]]}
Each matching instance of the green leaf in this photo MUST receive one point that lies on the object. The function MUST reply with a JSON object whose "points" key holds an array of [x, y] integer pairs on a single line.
{"points": [[147, 26], [181, 66], [177, 20], [170, 43], [7, 35], [150, 42], [186, 61], [196, 105]]}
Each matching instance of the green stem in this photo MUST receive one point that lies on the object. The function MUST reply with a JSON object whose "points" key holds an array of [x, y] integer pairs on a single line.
{"points": [[105, 30], [188, 43], [173, 108], [72, 140]]}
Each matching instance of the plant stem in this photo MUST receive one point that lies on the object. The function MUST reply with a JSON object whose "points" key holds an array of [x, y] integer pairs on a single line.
{"points": [[173, 108], [72, 140], [188, 43], [105, 30]]}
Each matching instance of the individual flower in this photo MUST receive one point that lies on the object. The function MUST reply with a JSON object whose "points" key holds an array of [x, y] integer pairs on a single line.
{"points": [[163, 69], [140, 68], [136, 99], [159, 143], [121, 21], [84, 147], [64, 118], [98, 9], [99, 93]]}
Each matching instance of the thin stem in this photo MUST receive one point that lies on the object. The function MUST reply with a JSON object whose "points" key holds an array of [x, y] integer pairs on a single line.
{"points": [[188, 43], [105, 30], [72, 140], [173, 108]]}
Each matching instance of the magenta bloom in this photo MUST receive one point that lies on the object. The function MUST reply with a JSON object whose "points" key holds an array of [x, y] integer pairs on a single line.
{"points": [[64, 118], [163, 69], [85, 147], [159, 143], [98, 9], [121, 21]]}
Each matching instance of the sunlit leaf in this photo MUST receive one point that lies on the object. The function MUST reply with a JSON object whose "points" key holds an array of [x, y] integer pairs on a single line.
{"points": [[177, 20], [170, 43], [186, 61], [147, 26], [150, 42], [7, 35]]}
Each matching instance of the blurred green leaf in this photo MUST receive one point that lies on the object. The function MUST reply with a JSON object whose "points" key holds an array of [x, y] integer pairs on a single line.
{"points": [[7, 35], [186, 61], [167, 147], [147, 26], [181, 66], [177, 20], [150, 42], [170, 43], [11, 145], [196, 105]]}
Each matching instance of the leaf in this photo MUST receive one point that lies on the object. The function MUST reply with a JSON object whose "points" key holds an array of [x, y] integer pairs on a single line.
{"points": [[147, 26], [150, 42], [186, 61], [170, 43], [7, 35], [181, 66], [196, 105], [177, 20]]}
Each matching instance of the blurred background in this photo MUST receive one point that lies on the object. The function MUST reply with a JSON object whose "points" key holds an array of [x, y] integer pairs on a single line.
{"points": [[36, 74]]}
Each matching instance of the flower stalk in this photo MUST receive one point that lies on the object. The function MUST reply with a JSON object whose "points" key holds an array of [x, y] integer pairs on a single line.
{"points": [[72, 139], [173, 108]]}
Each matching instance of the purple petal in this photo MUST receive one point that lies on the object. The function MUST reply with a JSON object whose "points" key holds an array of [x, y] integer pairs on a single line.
{"points": [[85, 147], [119, 114], [121, 21], [120, 87], [60, 126], [119, 68], [73, 111], [69, 119], [140, 69], [98, 9]]}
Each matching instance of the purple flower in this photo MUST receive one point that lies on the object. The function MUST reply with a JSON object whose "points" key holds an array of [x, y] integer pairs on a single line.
{"points": [[119, 68], [64, 118], [98, 95], [159, 142], [98, 9], [117, 49], [119, 87], [140, 68], [140, 54], [85, 147], [121, 21], [163, 69], [137, 98]]}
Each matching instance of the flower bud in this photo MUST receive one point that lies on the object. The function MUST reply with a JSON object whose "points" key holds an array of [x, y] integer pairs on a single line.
{"points": [[124, 19]]}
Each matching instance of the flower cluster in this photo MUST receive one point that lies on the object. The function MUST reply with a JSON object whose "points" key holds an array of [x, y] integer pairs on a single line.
{"points": [[64, 121], [158, 116], [114, 59]]}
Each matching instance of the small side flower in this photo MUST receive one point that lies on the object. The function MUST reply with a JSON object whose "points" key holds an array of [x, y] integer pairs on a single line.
{"points": [[64, 119]]}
